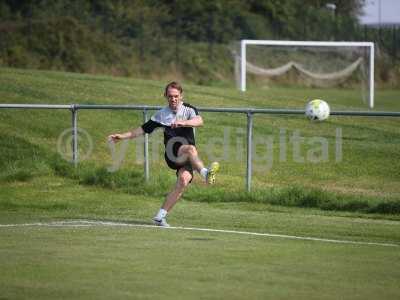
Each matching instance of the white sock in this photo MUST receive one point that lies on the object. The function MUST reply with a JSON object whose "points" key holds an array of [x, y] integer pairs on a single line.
{"points": [[204, 172], [162, 213]]}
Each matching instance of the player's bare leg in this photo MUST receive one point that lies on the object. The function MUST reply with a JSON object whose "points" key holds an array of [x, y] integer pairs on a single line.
{"points": [[190, 153], [183, 180]]}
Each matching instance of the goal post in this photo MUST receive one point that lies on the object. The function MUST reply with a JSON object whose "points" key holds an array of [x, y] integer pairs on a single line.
{"points": [[244, 65]]}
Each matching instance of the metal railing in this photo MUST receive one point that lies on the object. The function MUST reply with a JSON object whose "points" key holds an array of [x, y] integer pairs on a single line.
{"points": [[249, 112]]}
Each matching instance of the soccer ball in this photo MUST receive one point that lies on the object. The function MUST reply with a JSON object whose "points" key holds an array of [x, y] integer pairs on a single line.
{"points": [[317, 110]]}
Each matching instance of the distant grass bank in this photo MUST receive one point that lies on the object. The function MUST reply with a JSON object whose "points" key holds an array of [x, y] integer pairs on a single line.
{"points": [[365, 181], [132, 182]]}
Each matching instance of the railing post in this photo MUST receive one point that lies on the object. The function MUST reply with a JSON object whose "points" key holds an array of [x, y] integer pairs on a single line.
{"points": [[249, 149], [74, 111], [146, 149]]}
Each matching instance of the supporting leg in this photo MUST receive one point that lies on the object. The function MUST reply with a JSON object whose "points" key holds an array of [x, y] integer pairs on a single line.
{"points": [[183, 180]]}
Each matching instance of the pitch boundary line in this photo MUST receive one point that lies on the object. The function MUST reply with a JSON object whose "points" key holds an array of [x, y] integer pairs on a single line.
{"points": [[88, 223]]}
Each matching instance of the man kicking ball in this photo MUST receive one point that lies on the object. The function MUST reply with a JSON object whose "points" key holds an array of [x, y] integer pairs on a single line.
{"points": [[177, 120]]}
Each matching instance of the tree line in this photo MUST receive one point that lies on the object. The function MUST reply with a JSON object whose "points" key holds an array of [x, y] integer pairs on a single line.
{"points": [[153, 37]]}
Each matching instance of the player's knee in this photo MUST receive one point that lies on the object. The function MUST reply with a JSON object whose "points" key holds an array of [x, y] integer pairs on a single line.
{"points": [[192, 150], [188, 150], [184, 179]]}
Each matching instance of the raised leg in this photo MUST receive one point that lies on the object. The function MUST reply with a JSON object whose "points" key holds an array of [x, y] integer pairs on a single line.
{"points": [[190, 152]]}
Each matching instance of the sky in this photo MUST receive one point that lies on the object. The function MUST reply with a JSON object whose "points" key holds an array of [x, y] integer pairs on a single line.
{"points": [[389, 12]]}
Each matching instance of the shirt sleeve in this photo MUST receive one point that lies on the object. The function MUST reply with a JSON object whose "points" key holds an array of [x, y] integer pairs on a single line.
{"points": [[150, 125], [191, 111]]}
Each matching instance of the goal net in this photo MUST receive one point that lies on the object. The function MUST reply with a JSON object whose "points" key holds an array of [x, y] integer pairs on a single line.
{"points": [[333, 65]]}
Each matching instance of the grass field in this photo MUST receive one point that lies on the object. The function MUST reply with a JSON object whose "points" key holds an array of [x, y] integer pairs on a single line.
{"points": [[356, 198], [116, 262]]}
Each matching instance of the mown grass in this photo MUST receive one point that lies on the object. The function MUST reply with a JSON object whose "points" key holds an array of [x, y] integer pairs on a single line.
{"points": [[118, 262], [110, 262], [46, 198]]}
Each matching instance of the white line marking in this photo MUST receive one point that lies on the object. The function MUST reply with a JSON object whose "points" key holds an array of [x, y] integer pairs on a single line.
{"points": [[88, 223]]}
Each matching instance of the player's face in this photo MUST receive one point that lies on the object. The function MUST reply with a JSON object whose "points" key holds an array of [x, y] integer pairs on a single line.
{"points": [[174, 98]]}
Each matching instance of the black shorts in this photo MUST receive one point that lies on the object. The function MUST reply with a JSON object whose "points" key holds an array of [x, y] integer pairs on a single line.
{"points": [[175, 166]]}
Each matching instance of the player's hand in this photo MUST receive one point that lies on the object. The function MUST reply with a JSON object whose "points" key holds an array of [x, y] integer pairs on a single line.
{"points": [[178, 124], [114, 137]]}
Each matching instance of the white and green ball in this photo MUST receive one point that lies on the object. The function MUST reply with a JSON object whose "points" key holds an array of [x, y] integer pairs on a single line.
{"points": [[317, 110]]}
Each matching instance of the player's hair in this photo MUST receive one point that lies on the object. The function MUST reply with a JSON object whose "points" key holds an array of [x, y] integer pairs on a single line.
{"points": [[174, 85]]}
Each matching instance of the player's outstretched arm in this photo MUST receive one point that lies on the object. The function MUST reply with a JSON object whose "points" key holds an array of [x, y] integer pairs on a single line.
{"points": [[116, 137]]}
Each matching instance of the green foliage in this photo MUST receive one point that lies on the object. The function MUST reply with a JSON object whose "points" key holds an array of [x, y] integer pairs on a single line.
{"points": [[68, 45], [160, 38]]}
